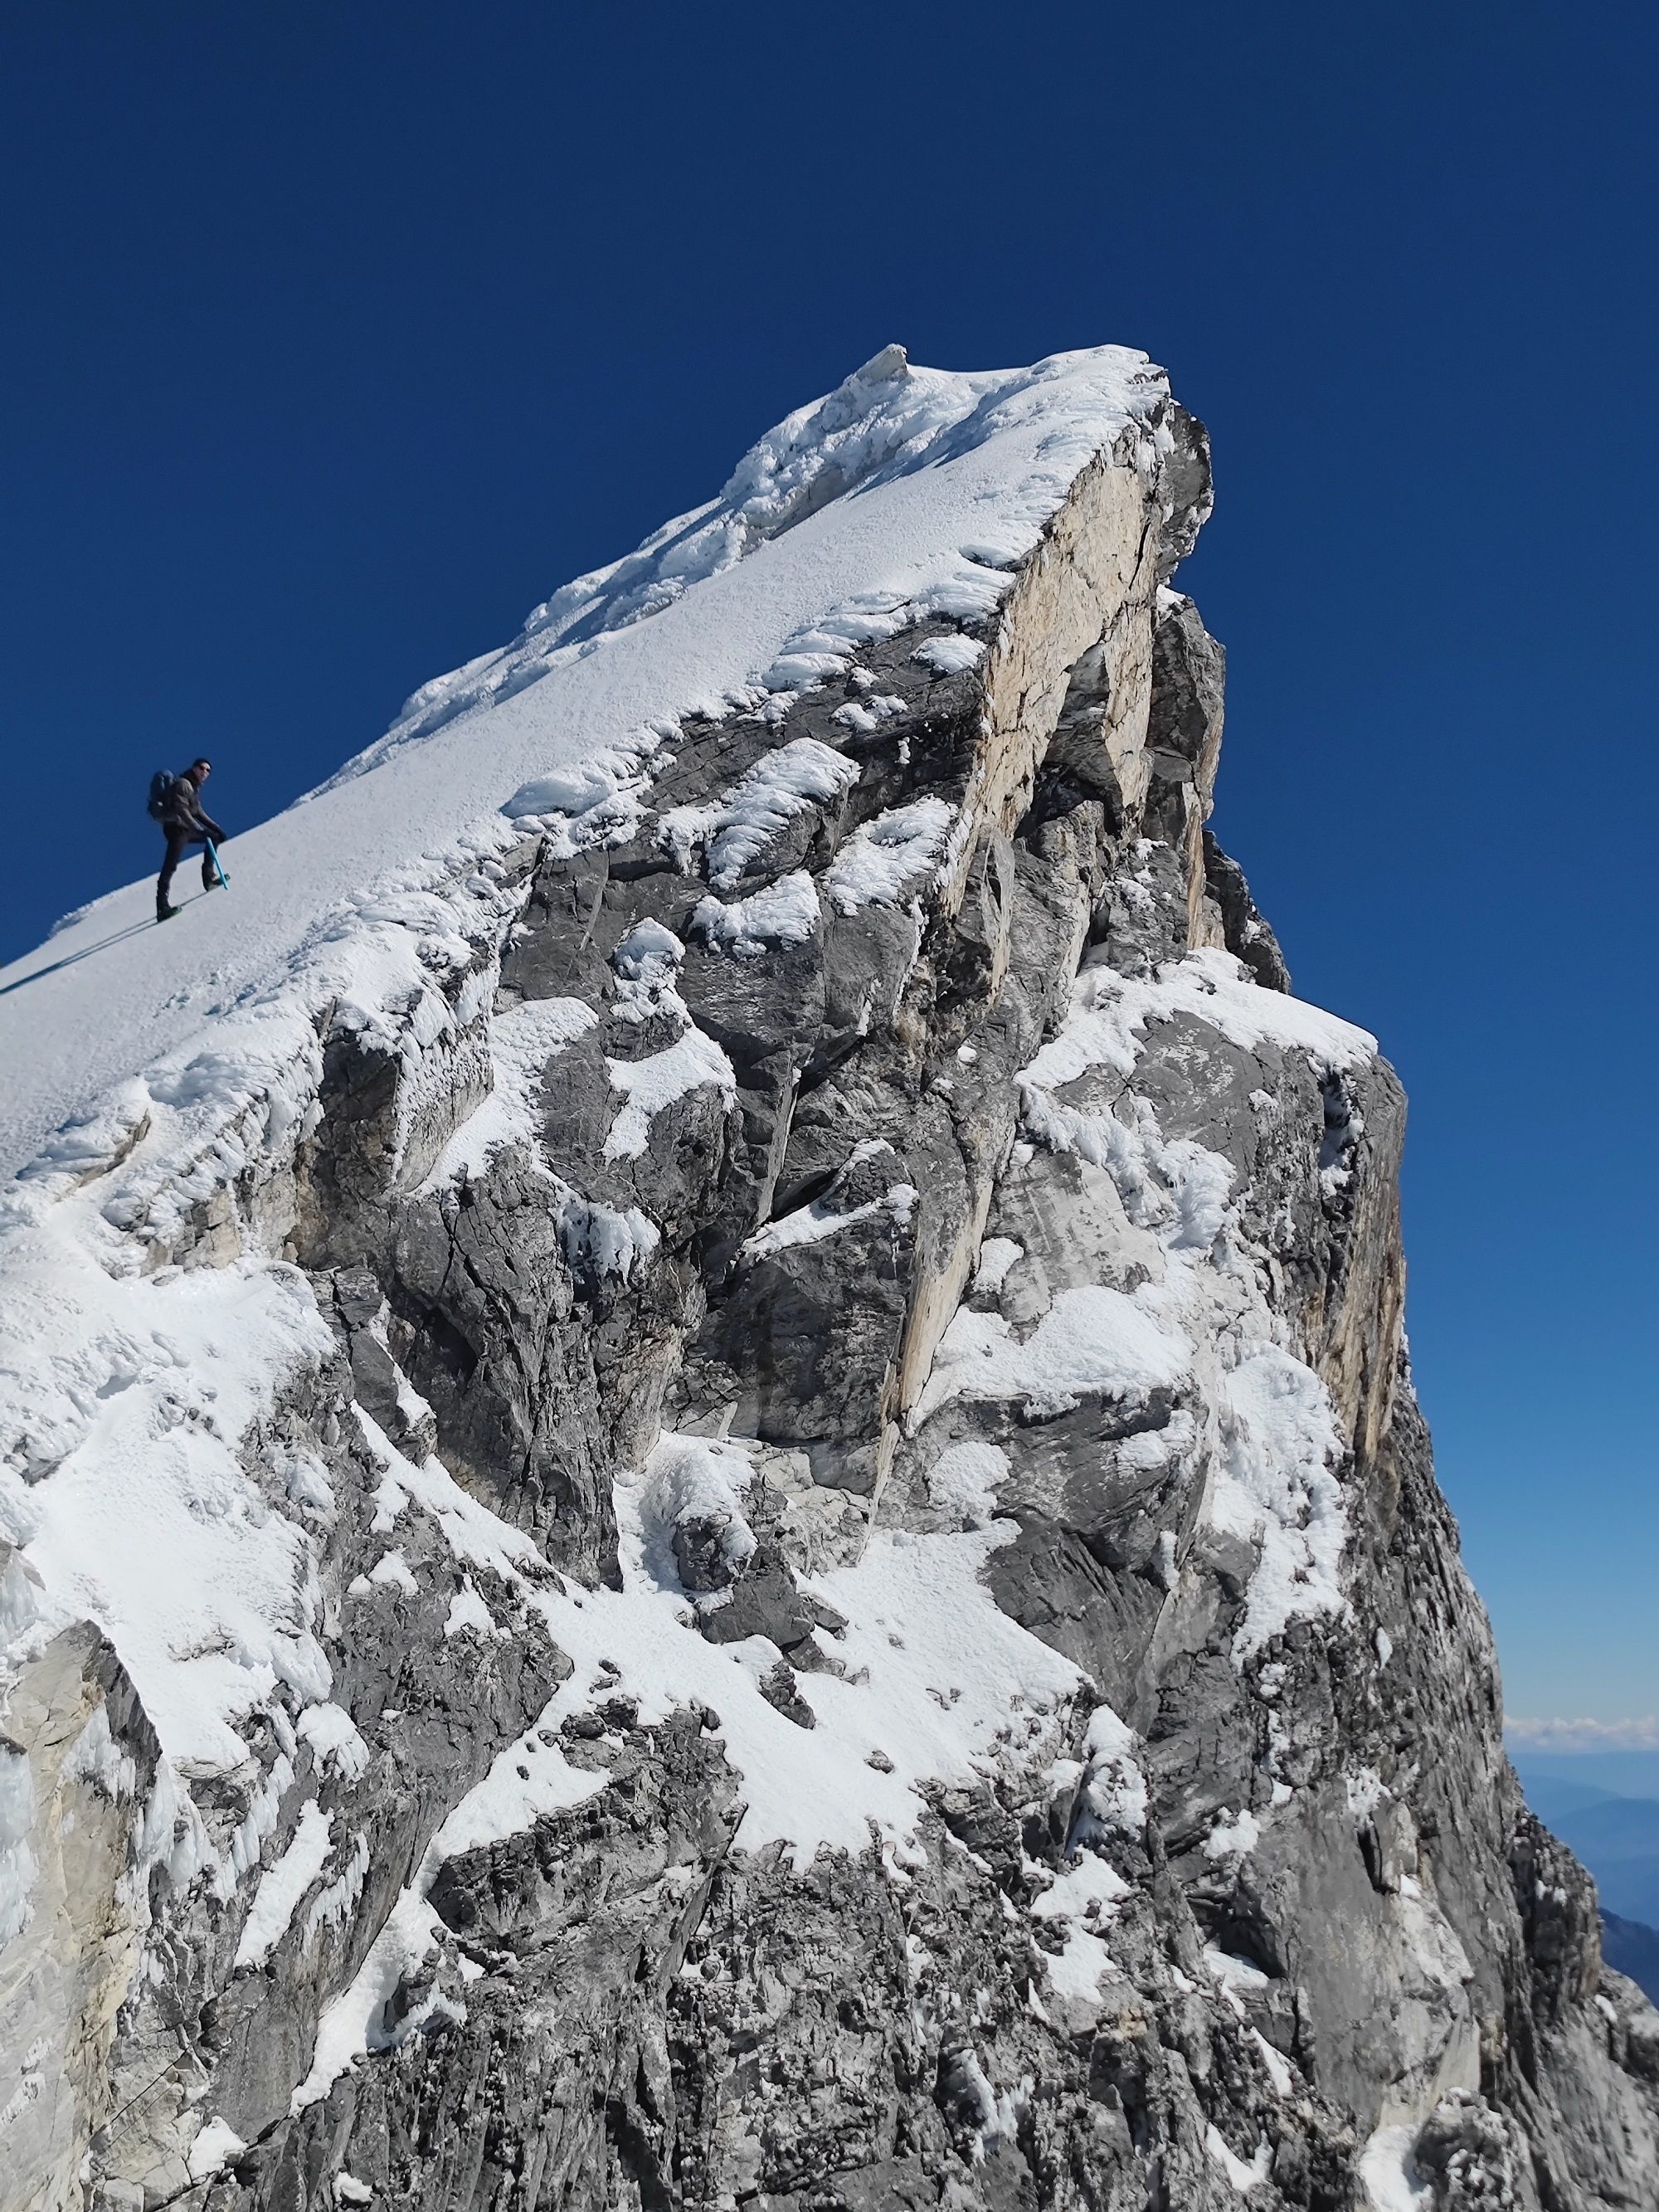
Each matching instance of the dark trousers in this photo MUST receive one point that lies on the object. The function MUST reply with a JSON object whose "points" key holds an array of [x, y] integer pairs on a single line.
{"points": [[177, 838]]}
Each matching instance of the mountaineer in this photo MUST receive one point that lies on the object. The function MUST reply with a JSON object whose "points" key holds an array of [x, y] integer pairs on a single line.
{"points": [[175, 803]]}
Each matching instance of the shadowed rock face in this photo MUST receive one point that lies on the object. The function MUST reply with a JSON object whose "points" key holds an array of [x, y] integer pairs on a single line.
{"points": [[954, 1160]]}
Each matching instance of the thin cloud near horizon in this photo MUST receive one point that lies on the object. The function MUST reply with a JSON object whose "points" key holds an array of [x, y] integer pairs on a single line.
{"points": [[1640, 1733]]}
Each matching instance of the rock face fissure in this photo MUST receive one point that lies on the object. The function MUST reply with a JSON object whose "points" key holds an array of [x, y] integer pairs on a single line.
{"points": [[808, 1575]]}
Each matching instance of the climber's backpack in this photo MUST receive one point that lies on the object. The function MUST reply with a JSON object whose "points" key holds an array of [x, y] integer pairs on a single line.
{"points": [[159, 785]]}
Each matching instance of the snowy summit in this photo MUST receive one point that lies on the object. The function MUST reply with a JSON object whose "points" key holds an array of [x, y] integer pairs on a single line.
{"points": [[907, 493], [709, 1492]]}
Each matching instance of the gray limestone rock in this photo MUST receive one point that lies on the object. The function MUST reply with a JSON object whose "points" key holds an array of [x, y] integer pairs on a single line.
{"points": [[997, 1222]]}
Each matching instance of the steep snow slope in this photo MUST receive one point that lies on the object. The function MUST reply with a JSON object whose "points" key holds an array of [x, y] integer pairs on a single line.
{"points": [[907, 492], [709, 1491]]}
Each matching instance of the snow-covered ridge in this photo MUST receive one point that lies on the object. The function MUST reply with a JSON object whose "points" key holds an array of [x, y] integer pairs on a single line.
{"points": [[889, 420], [907, 493], [705, 1411]]}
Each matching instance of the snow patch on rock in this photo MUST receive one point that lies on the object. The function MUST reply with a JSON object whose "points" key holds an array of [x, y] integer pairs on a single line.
{"points": [[283, 1884], [784, 913], [900, 848]]}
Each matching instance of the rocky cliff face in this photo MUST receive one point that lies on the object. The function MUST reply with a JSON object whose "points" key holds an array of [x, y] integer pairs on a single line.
{"points": [[750, 1530]]}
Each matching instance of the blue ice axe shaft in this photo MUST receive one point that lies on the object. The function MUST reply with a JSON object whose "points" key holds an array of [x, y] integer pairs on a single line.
{"points": [[218, 870]]}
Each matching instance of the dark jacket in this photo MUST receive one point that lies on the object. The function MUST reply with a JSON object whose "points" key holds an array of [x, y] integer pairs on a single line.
{"points": [[181, 810]]}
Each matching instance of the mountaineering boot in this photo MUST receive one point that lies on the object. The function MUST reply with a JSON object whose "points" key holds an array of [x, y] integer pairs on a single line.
{"points": [[165, 913]]}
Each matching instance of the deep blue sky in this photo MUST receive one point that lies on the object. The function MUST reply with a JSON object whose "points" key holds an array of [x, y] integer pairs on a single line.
{"points": [[337, 336]]}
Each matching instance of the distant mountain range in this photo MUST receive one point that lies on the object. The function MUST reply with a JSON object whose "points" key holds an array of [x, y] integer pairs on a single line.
{"points": [[1634, 1949], [1616, 1835], [1614, 1831]]}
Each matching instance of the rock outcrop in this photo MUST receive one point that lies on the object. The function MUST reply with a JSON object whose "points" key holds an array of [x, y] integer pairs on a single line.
{"points": [[861, 1614]]}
